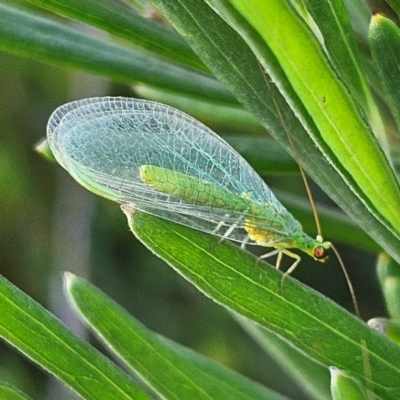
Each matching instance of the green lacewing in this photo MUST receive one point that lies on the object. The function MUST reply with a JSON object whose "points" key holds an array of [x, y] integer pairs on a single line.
{"points": [[165, 163]]}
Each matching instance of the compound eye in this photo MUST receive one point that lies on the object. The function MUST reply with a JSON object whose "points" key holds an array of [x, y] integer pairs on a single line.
{"points": [[319, 252]]}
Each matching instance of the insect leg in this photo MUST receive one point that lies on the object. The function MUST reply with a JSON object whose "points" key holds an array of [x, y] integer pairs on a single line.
{"points": [[280, 252], [278, 260], [270, 254], [291, 268], [227, 233], [220, 224], [229, 230], [297, 259]]}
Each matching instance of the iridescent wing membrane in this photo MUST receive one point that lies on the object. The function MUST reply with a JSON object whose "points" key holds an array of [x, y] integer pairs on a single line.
{"points": [[103, 143]]}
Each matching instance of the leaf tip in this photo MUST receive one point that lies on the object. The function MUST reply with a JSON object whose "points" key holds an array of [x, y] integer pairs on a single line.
{"points": [[44, 150], [69, 279], [128, 210], [378, 324], [376, 19], [344, 386]]}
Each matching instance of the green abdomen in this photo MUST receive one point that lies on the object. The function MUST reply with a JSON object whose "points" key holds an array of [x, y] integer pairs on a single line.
{"points": [[192, 190]]}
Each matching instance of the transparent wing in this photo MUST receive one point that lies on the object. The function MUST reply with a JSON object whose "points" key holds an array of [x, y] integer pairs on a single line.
{"points": [[102, 143]]}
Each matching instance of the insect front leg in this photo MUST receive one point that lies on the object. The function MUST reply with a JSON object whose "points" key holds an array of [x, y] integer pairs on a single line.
{"points": [[297, 259]]}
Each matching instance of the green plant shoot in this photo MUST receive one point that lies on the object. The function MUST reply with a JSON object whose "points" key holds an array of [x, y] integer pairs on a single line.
{"points": [[165, 163]]}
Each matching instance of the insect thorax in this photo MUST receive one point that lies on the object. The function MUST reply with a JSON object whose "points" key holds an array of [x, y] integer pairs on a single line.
{"points": [[297, 239]]}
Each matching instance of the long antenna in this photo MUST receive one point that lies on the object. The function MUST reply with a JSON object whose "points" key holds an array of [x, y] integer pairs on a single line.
{"points": [[311, 199], [349, 284], [303, 175], [290, 139]]}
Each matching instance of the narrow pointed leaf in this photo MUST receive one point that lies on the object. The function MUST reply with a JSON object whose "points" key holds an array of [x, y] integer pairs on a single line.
{"points": [[385, 49], [395, 4], [333, 22], [44, 150], [339, 41], [389, 278], [173, 371], [41, 337], [306, 319], [311, 376], [344, 387], [10, 392], [359, 14], [123, 22], [388, 327], [44, 40], [342, 175]]}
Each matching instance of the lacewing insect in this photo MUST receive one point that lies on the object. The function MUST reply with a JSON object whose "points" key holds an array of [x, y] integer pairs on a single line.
{"points": [[165, 163]]}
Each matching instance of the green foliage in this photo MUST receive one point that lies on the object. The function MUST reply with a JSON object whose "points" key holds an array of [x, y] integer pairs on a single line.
{"points": [[309, 321], [295, 69], [9, 392], [344, 387], [169, 369]]}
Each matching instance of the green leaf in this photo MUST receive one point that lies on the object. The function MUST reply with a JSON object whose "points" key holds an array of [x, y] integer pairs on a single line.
{"points": [[264, 155], [342, 137], [41, 337], [312, 78], [344, 387], [311, 376], [385, 50], [123, 22], [10, 392], [336, 160], [339, 42], [310, 322], [334, 25], [209, 112], [173, 371], [395, 4], [388, 327], [389, 278], [44, 40], [359, 14]]}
